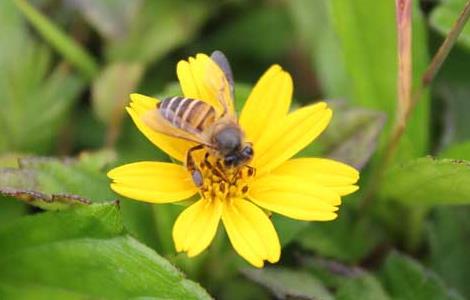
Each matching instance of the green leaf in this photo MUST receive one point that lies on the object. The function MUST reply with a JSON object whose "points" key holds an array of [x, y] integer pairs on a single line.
{"points": [[84, 253], [444, 16], [345, 239], [289, 284], [56, 184], [372, 72], [457, 151], [449, 237], [404, 278], [428, 181], [10, 210], [314, 26], [364, 287], [66, 46], [44, 201]]}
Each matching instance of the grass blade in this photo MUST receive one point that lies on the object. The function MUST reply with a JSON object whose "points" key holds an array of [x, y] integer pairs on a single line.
{"points": [[66, 46]]}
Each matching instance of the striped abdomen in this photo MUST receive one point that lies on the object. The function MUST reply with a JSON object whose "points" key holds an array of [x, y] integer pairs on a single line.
{"points": [[188, 114]]}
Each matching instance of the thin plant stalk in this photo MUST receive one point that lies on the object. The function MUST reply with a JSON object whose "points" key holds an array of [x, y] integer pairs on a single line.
{"points": [[405, 107]]}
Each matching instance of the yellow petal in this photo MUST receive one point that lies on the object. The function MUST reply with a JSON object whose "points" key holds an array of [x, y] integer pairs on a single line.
{"points": [[324, 172], [290, 135], [175, 147], [267, 104], [196, 226], [155, 182], [196, 77], [251, 232], [294, 198]]}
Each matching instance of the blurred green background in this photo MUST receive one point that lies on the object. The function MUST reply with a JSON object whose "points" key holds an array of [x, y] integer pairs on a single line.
{"points": [[66, 69]]}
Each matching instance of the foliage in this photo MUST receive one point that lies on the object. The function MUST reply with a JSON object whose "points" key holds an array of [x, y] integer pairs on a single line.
{"points": [[66, 69]]}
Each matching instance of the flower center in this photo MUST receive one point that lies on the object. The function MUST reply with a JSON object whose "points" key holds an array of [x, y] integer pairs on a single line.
{"points": [[223, 183]]}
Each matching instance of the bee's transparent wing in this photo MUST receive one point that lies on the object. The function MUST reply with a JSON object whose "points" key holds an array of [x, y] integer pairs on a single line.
{"points": [[157, 122], [221, 79], [221, 60]]}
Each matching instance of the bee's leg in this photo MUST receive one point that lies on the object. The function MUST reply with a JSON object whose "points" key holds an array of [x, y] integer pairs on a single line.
{"points": [[191, 166], [251, 171], [215, 170], [220, 168], [235, 177]]}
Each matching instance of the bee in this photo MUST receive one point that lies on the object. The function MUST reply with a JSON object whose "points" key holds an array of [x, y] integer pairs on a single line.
{"points": [[198, 121]]}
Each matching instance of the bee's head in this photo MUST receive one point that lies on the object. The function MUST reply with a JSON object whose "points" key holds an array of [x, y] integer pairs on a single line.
{"points": [[243, 155], [229, 143], [228, 140]]}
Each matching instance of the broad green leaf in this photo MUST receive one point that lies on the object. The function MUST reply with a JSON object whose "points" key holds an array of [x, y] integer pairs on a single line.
{"points": [[372, 71], [406, 279], [364, 287], [85, 253], [286, 283], [44, 201], [93, 221], [56, 184], [457, 151], [314, 27], [428, 181], [444, 16], [65, 45], [10, 209], [449, 237], [69, 176]]}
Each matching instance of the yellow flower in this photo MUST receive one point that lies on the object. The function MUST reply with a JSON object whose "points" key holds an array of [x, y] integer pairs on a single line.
{"points": [[300, 188]]}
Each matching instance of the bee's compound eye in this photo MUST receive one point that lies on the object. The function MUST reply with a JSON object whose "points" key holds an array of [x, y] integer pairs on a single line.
{"points": [[230, 160], [247, 152]]}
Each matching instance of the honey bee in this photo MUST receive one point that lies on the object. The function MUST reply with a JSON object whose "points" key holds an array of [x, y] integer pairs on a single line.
{"points": [[198, 121]]}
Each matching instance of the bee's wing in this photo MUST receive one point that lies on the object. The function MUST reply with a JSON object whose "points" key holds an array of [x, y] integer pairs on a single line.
{"points": [[221, 60], [220, 77], [155, 121]]}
